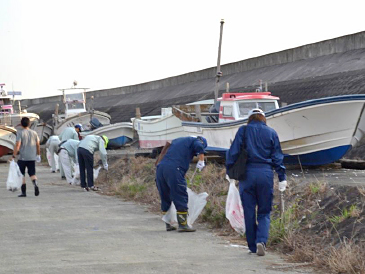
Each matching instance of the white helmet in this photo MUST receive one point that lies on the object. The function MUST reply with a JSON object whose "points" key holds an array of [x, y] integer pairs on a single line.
{"points": [[255, 111]]}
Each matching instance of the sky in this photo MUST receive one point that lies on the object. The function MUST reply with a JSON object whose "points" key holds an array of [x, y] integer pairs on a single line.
{"points": [[47, 44]]}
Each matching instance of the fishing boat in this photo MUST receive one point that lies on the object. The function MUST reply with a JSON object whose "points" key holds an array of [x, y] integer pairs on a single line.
{"points": [[7, 139], [75, 111], [118, 134], [155, 131], [10, 117], [313, 132]]}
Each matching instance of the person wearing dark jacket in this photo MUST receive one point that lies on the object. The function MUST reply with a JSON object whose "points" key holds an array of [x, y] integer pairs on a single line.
{"points": [[170, 177], [256, 190]]}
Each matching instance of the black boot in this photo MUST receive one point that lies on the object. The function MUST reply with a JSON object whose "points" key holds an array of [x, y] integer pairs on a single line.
{"points": [[36, 188], [24, 191], [182, 218], [170, 227]]}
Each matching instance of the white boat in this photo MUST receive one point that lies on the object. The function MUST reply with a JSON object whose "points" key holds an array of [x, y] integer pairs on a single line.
{"points": [[9, 117], [155, 131], [118, 134], [7, 139], [313, 132], [75, 111]]}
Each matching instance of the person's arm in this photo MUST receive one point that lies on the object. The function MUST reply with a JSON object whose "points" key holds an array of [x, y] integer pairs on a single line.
{"points": [[277, 158], [75, 136], [38, 147], [201, 157], [102, 151], [16, 148]]}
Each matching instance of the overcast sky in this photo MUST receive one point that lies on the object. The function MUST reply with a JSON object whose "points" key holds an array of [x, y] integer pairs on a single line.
{"points": [[47, 44]]}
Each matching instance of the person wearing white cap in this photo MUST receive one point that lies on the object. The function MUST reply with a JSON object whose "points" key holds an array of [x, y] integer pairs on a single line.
{"points": [[256, 190]]}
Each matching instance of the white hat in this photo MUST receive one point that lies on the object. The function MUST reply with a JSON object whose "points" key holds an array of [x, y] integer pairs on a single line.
{"points": [[255, 111]]}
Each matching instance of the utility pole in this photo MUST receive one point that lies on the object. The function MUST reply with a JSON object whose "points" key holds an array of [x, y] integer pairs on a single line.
{"points": [[219, 73]]}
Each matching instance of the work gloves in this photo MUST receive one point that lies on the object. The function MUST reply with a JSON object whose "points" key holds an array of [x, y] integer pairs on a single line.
{"points": [[106, 166], [38, 158], [283, 185], [200, 165]]}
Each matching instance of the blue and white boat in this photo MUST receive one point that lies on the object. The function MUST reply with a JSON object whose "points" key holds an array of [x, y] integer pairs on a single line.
{"points": [[313, 132]]}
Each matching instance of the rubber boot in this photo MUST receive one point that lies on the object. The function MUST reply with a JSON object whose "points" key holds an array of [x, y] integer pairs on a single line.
{"points": [[36, 188], [170, 227], [24, 191], [182, 218]]}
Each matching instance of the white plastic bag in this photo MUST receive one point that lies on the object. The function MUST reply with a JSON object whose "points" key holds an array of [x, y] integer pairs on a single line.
{"points": [[15, 178], [234, 210], [76, 177], [49, 159], [196, 205], [96, 172]]}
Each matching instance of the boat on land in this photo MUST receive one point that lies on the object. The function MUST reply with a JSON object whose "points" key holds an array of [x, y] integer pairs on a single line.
{"points": [[313, 132], [75, 111], [155, 131], [7, 139], [11, 117], [118, 134]]}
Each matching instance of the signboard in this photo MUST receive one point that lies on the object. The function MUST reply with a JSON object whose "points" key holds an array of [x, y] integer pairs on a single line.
{"points": [[14, 93]]}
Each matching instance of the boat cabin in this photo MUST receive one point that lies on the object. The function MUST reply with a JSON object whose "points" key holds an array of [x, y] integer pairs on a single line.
{"points": [[74, 104], [235, 106]]}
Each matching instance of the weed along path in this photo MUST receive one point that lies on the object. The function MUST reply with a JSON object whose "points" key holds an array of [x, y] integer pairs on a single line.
{"points": [[66, 230]]}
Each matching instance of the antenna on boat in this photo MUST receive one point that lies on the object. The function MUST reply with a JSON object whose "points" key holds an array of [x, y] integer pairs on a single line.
{"points": [[219, 73]]}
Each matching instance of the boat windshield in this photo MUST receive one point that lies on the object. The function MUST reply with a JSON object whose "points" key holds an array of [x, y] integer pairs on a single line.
{"points": [[245, 107]]}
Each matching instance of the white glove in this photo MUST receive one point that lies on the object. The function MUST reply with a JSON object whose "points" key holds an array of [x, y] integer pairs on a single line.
{"points": [[282, 185], [106, 166], [200, 165], [38, 158]]}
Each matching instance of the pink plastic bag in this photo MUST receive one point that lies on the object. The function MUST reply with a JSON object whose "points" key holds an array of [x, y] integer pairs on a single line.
{"points": [[234, 210]]}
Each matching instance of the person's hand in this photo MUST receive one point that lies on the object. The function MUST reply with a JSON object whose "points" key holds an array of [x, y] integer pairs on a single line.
{"points": [[283, 185], [38, 159], [106, 166], [200, 165]]}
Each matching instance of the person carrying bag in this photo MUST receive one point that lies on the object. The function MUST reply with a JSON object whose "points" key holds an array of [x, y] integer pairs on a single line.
{"points": [[256, 186]]}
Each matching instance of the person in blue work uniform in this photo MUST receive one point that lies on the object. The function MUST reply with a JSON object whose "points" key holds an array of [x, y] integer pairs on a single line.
{"points": [[85, 155], [263, 155], [170, 177]]}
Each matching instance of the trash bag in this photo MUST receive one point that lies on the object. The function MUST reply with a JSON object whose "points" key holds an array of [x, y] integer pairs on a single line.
{"points": [[196, 205], [55, 158], [76, 176], [96, 172], [15, 178], [234, 210]]}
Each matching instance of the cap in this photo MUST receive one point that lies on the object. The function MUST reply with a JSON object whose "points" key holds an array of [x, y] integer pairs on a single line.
{"points": [[255, 111], [79, 127], [203, 140], [106, 140]]}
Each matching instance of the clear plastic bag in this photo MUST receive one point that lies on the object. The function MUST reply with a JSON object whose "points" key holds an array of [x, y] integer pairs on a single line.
{"points": [[96, 172], [234, 209], [196, 205], [15, 178]]}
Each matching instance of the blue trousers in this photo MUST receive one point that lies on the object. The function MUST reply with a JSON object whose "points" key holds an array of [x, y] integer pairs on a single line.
{"points": [[257, 191], [171, 185], [86, 160]]}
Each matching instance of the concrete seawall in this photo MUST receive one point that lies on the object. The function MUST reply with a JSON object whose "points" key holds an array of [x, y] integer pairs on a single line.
{"points": [[311, 51]]}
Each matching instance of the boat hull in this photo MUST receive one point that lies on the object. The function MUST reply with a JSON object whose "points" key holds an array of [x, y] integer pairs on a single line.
{"points": [[157, 132], [118, 134], [314, 132], [83, 119], [44, 131], [7, 139]]}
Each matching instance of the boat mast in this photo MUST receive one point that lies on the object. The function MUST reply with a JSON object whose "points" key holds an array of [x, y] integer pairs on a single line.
{"points": [[219, 73]]}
